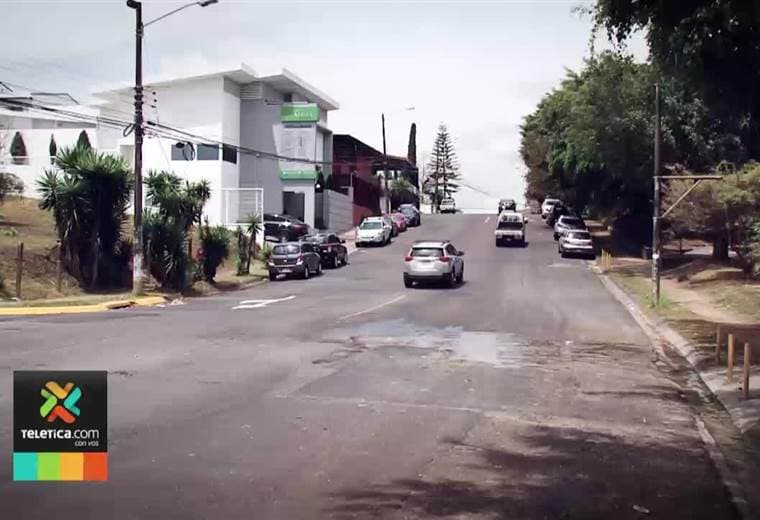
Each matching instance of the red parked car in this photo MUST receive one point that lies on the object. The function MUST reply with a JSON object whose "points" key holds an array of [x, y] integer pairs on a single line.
{"points": [[399, 220]]}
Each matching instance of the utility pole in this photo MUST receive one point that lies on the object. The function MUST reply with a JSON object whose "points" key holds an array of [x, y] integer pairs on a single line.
{"points": [[656, 209], [385, 168], [138, 253]]}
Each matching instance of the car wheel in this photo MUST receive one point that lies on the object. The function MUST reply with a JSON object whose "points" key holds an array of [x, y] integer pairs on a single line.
{"points": [[319, 268], [460, 278], [556, 236], [407, 282], [272, 276], [452, 281], [306, 272], [344, 260]]}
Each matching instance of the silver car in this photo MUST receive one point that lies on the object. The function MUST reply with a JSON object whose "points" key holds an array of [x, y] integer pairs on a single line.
{"points": [[433, 260], [576, 242], [567, 223]]}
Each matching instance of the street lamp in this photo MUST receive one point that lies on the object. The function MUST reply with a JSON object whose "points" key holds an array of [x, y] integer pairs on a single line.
{"points": [[385, 162], [137, 248]]}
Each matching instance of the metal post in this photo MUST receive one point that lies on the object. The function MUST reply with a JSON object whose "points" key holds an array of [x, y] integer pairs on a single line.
{"points": [[717, 346], [745, 372], [730, 360], [385, 169], [58, 267], [19, 268], [656, 208], [137, 259]]}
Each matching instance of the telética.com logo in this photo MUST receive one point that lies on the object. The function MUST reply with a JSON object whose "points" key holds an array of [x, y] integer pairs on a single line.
{"points": [[53, 393]]}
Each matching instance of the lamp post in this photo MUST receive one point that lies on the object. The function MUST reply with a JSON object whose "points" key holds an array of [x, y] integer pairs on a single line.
{"points": [[137, 247], [385, 162]]}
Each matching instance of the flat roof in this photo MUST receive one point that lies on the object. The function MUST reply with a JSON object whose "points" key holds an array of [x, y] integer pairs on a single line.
{"points": [[285, 81]]}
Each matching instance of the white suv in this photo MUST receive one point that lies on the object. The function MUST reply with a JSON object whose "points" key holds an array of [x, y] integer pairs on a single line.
{"points": [[430, 260], [447, 206], [547, 206]]}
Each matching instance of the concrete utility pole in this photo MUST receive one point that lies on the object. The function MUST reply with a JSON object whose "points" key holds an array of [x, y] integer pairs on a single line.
{"points": [[385, 169], [656, 209], [138, 253]]}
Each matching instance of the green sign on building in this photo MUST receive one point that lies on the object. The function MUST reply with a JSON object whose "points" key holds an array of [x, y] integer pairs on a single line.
{"points": [[307, 113], [298, 175]]}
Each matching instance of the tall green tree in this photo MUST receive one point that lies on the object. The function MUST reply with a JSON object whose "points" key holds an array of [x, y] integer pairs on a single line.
{"points": [[83, 140], [88, 194], [443, 166], [411, 151], [52, 149], [253, 225], [712, 48], [18, 149]]}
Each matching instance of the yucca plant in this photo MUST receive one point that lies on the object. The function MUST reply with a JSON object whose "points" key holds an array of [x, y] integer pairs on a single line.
{"points": [[254, 224], [215, 248], [242, 252]]}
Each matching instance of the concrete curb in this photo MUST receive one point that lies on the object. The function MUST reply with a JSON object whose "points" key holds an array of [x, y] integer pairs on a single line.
{"points": [[659, 332], [145, 301]]}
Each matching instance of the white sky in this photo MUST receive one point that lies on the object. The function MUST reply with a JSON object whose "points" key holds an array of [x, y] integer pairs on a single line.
{"points": [[480, 67]]}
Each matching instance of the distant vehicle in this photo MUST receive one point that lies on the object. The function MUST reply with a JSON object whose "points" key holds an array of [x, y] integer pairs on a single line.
{"points": [[510, 227], [547, 206], [400, 221], [576, 243], [330, 247], [411, 213], [507, 205], [567, 223], [433, 260], [535, 207], [374, 230], [294, 258], [557, 211], [447, 205], [394, 227], [283, 228]]}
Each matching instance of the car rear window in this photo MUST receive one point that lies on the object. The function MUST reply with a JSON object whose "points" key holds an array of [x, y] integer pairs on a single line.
{"points": [[371, 225], [572, 221], [580, 235], [317, 239], [551, 201], [510, 224], [286, 249], [427, 251]]}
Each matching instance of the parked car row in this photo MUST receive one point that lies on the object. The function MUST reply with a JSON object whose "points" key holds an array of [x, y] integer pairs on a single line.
{"points": [[307, 256], [573, 237], [381, 230]]}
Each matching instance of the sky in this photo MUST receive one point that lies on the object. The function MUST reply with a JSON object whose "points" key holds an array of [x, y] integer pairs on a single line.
{"points": [[478, 67]]}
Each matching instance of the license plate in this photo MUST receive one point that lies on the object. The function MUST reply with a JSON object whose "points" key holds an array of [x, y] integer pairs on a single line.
{"points": [[285, 270]]}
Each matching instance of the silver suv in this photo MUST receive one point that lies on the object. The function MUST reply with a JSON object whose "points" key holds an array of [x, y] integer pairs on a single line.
{"points": [[434, 260]]}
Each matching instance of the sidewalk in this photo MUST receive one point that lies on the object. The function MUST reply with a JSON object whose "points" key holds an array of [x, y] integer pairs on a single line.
{"points": [[688, 320], [77, 305]]}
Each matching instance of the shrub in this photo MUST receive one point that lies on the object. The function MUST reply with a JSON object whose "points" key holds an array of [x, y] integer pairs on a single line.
{"points": [[242, 252], [215, 248], [10, 185]]}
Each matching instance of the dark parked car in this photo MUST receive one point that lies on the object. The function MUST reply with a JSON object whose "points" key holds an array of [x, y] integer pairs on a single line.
{"points": [[330, 247], [294, 258], [507, 205], [411, 213], [556, 211], [283, 228]]}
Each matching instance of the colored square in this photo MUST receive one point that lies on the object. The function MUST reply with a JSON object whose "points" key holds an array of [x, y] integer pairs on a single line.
{"points": [[48, 466], [72, 466], [95, 466], [24, 466]]}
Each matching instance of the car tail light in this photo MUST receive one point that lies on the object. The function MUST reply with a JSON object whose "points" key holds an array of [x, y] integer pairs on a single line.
{"points": [[444, 259], [408, 258]]}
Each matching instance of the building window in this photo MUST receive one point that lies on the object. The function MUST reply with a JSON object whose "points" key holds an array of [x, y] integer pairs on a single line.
{"points": [[287, 97], [182, 152], [229, 154], [208, 152]]}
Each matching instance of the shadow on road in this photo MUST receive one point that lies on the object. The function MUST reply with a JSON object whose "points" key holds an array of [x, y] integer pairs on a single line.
{"points": [[557, 473]]}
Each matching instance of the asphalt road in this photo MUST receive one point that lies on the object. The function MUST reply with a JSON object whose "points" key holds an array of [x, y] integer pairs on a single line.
{"points": [[527, 392]]}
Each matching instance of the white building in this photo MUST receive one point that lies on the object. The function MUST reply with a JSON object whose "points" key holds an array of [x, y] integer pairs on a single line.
{"points": [[236, 122]]}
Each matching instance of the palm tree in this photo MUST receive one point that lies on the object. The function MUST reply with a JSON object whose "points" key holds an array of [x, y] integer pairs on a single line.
{"points": [[88, 194], [253, 226]]}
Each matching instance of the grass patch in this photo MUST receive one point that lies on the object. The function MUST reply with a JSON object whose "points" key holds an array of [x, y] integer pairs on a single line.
{"points": [[640, 287], [741, 298]]}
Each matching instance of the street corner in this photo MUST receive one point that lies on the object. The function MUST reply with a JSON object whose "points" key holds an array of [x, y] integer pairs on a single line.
{"points": [[58, 309]]}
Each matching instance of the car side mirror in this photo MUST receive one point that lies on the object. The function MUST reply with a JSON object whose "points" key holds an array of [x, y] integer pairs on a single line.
{"points": [[342, 240], [461, 253], [525, 220]]}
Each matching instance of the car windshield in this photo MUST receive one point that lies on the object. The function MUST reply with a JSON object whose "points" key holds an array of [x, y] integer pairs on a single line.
{"points": [[285, 249], [551, 201], [371, 225], [427, 252], [580, 235], [572, 222], [317, 239], [510, 224]]}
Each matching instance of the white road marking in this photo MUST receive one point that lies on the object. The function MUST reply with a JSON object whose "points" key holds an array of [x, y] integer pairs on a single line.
{"points": [[257, 304], [487, 219], [371, 309]]}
